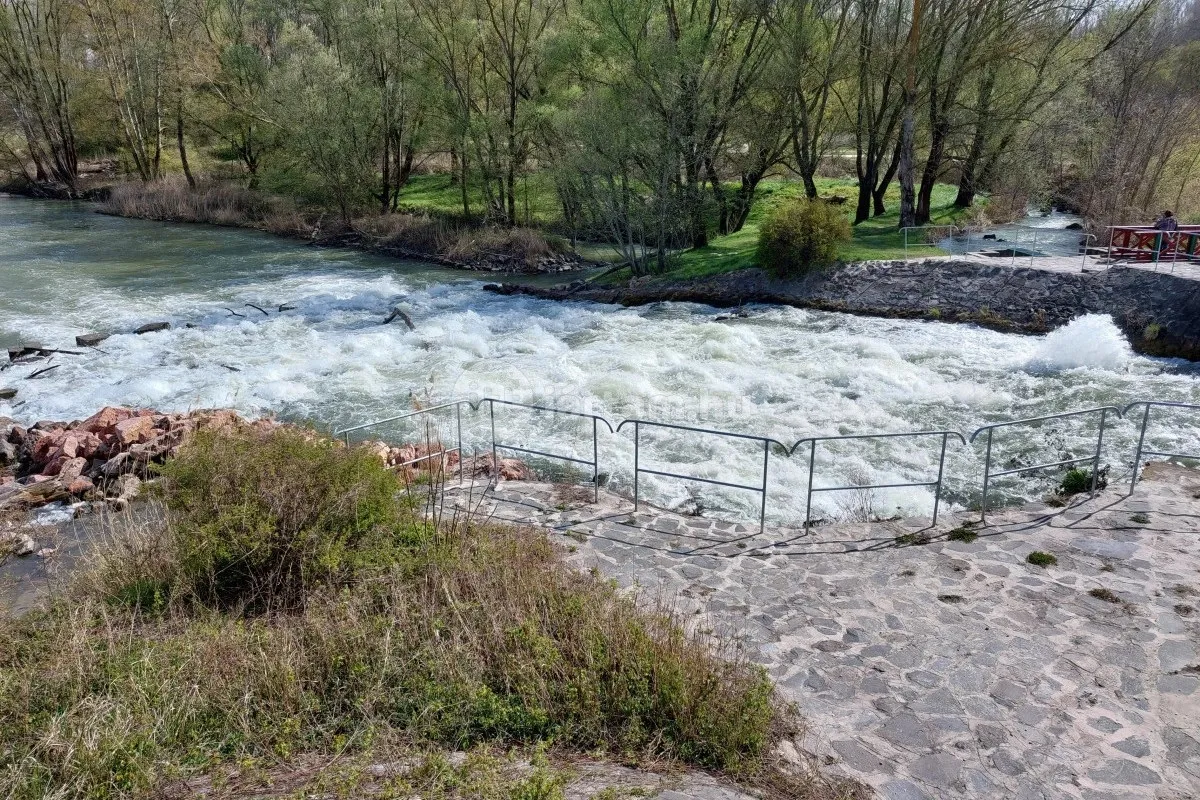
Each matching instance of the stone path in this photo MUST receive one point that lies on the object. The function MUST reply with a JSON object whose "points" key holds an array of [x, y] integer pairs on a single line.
{"points": [[1078, 264], [946, 668]]}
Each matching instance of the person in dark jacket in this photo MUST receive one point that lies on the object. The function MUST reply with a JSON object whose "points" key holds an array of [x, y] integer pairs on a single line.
{"points": [[1169, 225]]}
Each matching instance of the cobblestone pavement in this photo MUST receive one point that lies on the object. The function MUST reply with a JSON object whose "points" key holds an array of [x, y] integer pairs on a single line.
{"points": [[949, 667], [1077, 264]]}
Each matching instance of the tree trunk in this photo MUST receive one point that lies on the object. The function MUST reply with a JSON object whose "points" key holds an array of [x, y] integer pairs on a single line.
{"points": [[183, 157], [908, 211]]}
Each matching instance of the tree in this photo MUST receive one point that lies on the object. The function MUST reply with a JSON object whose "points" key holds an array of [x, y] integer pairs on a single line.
{"points": [[39, 57]]}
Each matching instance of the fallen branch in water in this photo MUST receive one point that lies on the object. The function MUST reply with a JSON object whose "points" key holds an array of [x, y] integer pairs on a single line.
{"points": [[42, 371], [234, 313], [264, 313], [397, 312]]}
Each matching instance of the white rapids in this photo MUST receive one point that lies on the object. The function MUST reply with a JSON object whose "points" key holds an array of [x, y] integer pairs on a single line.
{"points": [[781, 372]]}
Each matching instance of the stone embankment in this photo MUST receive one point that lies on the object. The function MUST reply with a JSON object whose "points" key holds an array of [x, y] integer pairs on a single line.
{"points": [[1158, 312]]}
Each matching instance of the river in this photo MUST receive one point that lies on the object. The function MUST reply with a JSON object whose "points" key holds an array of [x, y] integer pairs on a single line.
{"points": [[781, 372]]}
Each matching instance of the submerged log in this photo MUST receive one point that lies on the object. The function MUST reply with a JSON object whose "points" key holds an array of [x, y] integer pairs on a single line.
{"points": [[398, 312], [151, 327], [7, 393]]}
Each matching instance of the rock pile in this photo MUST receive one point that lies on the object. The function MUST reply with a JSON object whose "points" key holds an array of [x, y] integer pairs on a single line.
{"points": [[410, 459], [103, 456], [106, 456]]}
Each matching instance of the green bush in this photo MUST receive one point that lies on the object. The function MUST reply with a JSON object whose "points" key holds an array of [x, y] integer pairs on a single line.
{"points": [[800, 235], [1078, 481], [260, 520]]}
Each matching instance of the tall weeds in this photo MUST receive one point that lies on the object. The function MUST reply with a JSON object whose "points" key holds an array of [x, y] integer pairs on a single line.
{"points": [[455, 635]]}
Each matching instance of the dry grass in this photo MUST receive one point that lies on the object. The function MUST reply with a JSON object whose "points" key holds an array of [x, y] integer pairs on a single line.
{"points": [[172, 200], [426, 234], [452, 635]]}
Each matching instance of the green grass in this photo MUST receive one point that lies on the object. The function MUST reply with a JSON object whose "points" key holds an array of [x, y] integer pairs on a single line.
{"points": [[439, 193], [876, 238]]}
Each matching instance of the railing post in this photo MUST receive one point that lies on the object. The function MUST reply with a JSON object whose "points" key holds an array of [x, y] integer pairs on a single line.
{"points": [[461, 455], [762, 514], [637, 436], [987, 465], [495, 461], [1096, 459], [937, 490], [595, 462], [812, 458], [1137, 456]]}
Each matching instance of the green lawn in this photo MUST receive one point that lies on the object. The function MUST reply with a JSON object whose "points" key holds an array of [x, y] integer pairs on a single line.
{"points": [[877, 238]]}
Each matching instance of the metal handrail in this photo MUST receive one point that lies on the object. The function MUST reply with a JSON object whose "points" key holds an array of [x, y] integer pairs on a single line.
{"points": [[456, 404], [812, 457], [595, 418], [906, 229], [987, 459], [1137, 456], [638, 469], [1083, 246]]}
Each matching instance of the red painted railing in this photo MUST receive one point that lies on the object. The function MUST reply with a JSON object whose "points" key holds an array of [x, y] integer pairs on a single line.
{"points": [[1143, 243]]}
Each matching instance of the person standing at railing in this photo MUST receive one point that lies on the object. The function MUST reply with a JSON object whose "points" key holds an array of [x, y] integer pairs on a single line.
{"points": [[1168, 224]]}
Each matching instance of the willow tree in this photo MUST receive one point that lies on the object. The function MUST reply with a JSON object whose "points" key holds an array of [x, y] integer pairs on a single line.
{"points": [[40, 57]]}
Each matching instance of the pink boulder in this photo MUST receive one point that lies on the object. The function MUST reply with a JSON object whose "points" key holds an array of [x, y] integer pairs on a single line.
{"points": [[134, 430]]}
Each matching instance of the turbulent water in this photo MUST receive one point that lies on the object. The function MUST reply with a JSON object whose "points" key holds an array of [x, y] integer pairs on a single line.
{"points": [[780, 372]]}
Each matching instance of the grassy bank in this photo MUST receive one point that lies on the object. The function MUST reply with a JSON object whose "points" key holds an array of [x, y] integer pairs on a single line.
{"points": [[289, 604], [422, 233], [431, 223]]}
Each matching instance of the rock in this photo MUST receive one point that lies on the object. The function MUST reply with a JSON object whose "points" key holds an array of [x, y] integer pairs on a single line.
{"points": [[46, 552], [91, 339], [1074, 226], [151, 327], [81, 486], [24, 545], [106, 419], [71, 470], [7, 393], [128, 487], [118, 464], [134, 430], [8, 453], [1124, 772]]}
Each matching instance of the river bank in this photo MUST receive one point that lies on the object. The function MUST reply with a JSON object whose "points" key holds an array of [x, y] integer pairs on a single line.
{"points": [[444, 241], [1157, 311]]}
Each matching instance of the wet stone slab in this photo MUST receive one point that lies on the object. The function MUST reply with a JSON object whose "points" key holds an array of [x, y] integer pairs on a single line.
{"points": [[950, 668]]}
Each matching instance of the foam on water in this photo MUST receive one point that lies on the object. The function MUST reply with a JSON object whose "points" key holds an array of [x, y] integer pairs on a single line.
{"points": [[782, 372], [1090, 341]]}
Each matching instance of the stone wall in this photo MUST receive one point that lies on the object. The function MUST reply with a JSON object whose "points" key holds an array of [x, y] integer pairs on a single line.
{"points": [[1159, 312]]}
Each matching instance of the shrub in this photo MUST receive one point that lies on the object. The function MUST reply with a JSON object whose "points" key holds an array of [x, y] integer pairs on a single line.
{"points": [[800, 235], [260, 520], [1077, 481], [1041, 559]]}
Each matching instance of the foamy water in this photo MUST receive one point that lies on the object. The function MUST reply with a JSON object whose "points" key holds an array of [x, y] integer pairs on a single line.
{"points": [[784, 373]]}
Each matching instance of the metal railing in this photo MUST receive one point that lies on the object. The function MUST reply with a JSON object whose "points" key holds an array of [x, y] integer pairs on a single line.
{"points": [[1137, 456], [596, 420], [455, 404], [638, 469], [812, 458], [936, 484], [928, 229], [1094, 458]]}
